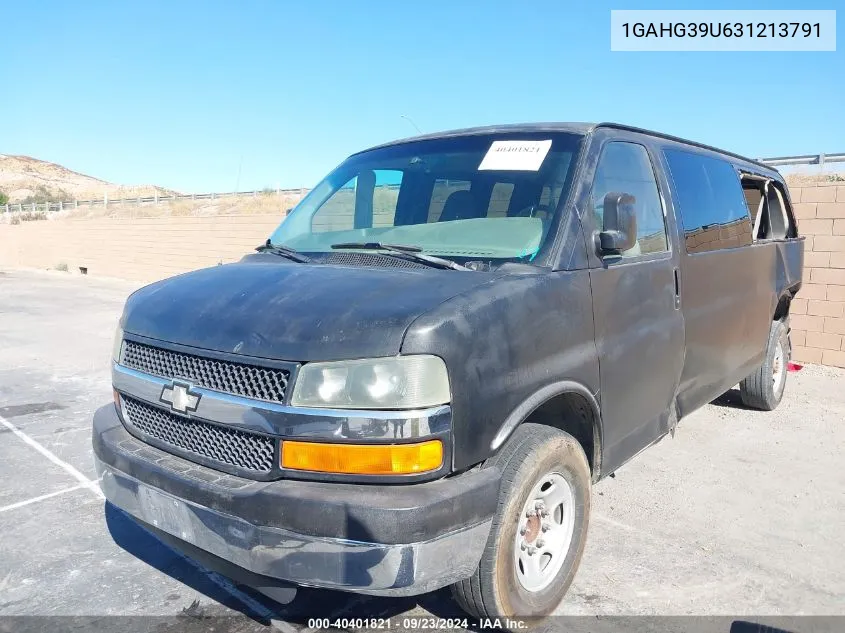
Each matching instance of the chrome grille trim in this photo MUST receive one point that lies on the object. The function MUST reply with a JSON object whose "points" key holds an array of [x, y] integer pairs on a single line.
{"points": [[240, 379], [222, 445], [270, 418]]}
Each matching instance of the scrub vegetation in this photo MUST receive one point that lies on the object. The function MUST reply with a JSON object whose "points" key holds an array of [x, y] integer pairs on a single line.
{"points": [[802, 179], [263, 204]]}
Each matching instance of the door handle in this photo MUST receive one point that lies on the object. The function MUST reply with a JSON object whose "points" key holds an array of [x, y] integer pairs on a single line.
{"points": [[677, 288]]}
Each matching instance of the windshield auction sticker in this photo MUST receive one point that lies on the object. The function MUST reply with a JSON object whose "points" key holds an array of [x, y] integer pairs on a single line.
{"points": [[515, 155], [723, 30]]}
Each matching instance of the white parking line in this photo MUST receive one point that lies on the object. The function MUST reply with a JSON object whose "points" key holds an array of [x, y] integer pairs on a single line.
{"points": [[93, 486], [20, 504], [82, 479]]}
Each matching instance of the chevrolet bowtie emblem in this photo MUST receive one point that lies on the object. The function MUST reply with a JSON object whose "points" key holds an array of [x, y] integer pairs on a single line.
{"points": [[178, 395]]}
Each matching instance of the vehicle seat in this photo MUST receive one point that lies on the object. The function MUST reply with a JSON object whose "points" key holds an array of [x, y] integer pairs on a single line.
{"points": [[460, 205]]}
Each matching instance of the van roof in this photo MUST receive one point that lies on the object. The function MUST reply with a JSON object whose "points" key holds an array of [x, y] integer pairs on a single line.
{"points": [[572, 128]]}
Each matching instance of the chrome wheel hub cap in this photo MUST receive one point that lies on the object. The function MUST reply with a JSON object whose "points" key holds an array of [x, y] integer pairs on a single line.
{"points": [[544, 532]]}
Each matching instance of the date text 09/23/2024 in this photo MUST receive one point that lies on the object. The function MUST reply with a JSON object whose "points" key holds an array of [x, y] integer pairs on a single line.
{"points": [[421, 623]]}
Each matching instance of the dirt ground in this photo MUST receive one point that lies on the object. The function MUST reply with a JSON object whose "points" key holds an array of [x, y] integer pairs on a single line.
{"points": [[741, 514]]}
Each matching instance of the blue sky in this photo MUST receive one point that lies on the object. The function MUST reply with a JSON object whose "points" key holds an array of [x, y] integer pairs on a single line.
{"points": [[182, 94]]}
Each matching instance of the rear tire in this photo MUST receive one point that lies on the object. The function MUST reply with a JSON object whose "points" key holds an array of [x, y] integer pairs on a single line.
{"points": [[764, 387], [545, 491]]}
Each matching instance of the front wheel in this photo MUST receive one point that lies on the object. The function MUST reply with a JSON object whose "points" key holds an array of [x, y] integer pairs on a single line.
{"points": [[539, 530], [763, 388]]}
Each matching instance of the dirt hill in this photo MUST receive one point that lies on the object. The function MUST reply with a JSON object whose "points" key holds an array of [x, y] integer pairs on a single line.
{"points": [[800, 179], [26, 179]]}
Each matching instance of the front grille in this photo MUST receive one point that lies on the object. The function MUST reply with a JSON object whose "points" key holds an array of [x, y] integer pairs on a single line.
{"points": [[250, 381], [225, 445]]}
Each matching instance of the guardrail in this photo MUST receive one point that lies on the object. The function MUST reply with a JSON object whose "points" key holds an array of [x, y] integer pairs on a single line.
{"points": [[47, 207], [809, 159]]}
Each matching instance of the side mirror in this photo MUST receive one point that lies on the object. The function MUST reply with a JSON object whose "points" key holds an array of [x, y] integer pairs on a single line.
{"points": [[619, 232]]}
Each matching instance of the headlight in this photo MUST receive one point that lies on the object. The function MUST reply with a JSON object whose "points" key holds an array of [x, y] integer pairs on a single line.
{"points": [[117, 344], [401, 382]]}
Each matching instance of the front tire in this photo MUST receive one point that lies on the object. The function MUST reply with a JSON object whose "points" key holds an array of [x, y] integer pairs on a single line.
{"points": [[539, 530], [763, 388]]}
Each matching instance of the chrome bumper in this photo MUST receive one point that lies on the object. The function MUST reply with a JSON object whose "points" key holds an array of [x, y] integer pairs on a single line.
{"points": [[369, 568]]}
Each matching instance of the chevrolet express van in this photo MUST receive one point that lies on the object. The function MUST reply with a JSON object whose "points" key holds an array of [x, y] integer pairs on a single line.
{"points": [[418, 378]]}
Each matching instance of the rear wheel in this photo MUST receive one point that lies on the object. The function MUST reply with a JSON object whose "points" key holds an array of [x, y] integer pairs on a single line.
{"points": [[764, 387], [539, 530]]}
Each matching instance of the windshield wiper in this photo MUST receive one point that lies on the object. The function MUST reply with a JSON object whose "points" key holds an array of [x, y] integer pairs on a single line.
{"points": [[283, 251], [405, 251]]}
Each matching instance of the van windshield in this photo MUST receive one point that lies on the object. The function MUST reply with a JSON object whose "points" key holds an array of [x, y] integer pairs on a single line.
{"points": [[482, 197]]}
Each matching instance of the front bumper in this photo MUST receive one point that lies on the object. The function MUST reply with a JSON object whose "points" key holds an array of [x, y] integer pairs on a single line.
{"points": [[374, 539]]}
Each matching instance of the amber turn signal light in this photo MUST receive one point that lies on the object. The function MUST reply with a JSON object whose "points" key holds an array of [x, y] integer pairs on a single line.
{"points": [[363, 459]]}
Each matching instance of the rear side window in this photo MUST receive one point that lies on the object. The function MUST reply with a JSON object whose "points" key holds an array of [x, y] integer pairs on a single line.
{"points": [[713, 208]]}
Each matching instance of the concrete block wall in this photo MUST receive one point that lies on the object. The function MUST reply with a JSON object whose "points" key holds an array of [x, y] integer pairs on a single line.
{"points": [[730, 235], [818, 312], [140, 249]]}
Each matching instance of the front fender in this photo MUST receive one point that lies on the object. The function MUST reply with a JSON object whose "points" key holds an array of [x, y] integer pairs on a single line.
{"points": [[504, 342], [542, 396]]}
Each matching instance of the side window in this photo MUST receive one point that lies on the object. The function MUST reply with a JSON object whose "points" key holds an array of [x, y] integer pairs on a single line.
{"points": [[371, 197], [768, 206], [713, 206], [500, 200], [626, 168], [778, 222], [549, 197], [755, 200], [386, 196], [338, 212], [443, 189]]}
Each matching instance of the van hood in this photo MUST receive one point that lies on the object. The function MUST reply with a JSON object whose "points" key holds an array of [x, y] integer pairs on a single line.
{"points": [[269, 307]]}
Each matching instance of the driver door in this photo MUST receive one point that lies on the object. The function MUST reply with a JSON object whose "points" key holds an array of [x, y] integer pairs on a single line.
{"points": [[636, 305]]}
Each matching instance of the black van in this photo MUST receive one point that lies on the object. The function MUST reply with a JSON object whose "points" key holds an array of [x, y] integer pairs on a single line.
{"points": [[416, 380]]}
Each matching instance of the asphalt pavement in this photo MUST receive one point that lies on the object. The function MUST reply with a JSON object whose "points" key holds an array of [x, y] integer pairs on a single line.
{"points": [[740, 514]]}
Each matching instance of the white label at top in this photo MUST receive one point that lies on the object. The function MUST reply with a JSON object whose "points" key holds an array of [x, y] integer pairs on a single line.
{"points": [[516, 155]]}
